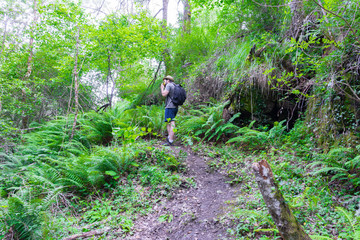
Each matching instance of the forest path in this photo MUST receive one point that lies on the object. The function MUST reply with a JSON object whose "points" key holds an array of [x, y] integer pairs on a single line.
{"points": [[193, 213]]}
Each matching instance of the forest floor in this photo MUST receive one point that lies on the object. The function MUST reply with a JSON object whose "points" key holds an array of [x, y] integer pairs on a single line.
{"points": [[192, 213]]}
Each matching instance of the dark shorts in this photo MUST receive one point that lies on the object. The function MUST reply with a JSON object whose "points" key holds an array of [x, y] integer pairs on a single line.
{"points": [[170, 114]]}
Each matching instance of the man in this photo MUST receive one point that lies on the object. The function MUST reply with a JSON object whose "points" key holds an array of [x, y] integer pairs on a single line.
{"points": [[167, 90]]}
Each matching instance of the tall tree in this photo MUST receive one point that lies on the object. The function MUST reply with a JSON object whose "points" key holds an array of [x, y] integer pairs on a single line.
{"points": [[166, 52], [121, 45], [187, 16], [76, 81], [25, 117], [297, 18]]}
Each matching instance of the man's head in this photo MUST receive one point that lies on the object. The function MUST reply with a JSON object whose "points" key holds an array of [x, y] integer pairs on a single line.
{"points": [[169, 78]]}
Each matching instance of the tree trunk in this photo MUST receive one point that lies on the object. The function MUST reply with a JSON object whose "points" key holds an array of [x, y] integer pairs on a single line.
{"points": [[76, 83], [25, 116], [165, 12], [187, 17], [166, 53], [3, 37], [31, 44], [297, 10], [285, 221], [109, 77]]}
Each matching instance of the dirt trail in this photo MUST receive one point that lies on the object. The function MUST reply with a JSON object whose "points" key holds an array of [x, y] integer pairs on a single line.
{"points": [[192, 213]]}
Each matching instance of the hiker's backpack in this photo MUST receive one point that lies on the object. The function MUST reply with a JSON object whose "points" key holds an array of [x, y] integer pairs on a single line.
{"points": [[179, 95]]}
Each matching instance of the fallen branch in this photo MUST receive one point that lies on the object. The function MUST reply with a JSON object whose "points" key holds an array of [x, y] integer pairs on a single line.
{"points": [[88, 234], [285, 221]]}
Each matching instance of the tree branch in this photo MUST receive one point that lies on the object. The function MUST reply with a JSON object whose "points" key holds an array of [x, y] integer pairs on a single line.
{"points": [[347, 23], [88, 234]]}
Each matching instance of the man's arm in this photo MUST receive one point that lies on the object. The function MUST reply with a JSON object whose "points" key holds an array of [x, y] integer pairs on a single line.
{"points": [[164, 92]]}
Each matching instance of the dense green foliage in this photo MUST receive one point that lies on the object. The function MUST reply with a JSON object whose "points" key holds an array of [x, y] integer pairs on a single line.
{"points": [[275, 80], [49, 172]]}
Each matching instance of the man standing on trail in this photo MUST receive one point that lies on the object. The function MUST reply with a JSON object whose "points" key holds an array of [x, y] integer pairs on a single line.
{"points": [[167, 90]]}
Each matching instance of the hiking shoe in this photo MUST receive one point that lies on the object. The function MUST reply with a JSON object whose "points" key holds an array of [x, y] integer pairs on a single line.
{"points": [[168, 143]]}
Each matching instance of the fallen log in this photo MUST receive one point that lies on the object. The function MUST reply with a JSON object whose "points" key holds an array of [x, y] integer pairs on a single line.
{"points": [[88, 234], [288, 226]]}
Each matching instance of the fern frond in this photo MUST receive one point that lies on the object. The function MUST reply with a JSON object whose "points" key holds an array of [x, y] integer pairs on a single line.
{"points": [[251, 124], [234, 117], [357, 235], [349, 216], [317, 237], [51, 197], [277, 130], [354, 163], [215, 125], [248, 135], [74, 178], [328, 169], [339, 155], [324, 163]]}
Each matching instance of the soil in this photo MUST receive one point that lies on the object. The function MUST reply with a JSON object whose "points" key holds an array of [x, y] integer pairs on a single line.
{"points": [[194, 212]]}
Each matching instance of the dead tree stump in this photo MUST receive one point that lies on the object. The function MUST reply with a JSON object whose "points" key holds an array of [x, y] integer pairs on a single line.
{"points": [[284, 219]]}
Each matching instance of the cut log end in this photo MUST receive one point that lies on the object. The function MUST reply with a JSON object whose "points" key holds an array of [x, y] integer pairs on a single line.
{"points": [[262, 169]]}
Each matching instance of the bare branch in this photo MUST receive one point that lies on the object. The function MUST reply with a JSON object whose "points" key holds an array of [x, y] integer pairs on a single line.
{"points": [[346, 22], [88, 234]]}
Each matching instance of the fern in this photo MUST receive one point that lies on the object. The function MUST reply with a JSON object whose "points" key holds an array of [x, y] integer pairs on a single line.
{"points": [[329, 169], [353, 164], [250, 137], [72, 179], [339, 163], [207, 122], [96, 128], [352, 220], [22, 219], [275, 133], [144, 117]]}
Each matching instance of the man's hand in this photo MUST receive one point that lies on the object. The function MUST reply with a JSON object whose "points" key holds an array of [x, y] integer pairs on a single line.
{"points": [[164, 93]]}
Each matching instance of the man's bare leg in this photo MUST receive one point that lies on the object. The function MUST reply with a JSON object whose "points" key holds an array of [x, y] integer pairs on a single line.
{"points": [[168, 128], [171, 128]]}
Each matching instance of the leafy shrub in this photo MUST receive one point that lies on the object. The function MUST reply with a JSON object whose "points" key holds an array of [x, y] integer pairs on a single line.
{"points": [[140, 121]]}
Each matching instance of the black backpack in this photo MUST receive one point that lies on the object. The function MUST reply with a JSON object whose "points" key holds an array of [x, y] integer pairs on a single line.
{"points": [[179, 95]]}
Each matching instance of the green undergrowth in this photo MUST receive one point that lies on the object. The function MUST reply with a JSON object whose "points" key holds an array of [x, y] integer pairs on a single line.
{"points": [[320, 187], [108, 186], [52, 185]]}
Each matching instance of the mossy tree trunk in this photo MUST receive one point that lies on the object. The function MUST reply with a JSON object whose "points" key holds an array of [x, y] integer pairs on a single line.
{"points": [[284, 219]]}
